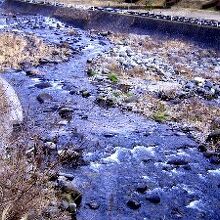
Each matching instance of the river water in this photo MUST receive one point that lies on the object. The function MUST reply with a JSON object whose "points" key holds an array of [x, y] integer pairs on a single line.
{"points": [[134, 168]]}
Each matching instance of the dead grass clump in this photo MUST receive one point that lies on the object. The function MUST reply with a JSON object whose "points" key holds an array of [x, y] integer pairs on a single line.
{"points": [[195, 112], [25, 190], [16, 49], [153, 107]]}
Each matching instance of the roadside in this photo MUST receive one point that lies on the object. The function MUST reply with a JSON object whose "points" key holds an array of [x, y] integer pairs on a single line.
{"points": [[189, 13]]}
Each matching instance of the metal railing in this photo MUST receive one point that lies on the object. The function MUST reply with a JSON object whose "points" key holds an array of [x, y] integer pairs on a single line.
{"points": [[45, 2]]}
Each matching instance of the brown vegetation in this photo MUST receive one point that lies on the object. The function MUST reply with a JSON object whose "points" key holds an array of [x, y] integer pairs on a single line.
{"points": [[17, 49], [25, 190]]}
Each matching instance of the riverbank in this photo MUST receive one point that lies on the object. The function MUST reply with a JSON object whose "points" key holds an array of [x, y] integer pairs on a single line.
{"points": [[166, 80]]}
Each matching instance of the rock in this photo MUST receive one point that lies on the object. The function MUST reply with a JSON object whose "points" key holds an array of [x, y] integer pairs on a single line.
{"points": [[93, 205], [64, 205], [133, 204], [105, 101], [17, 127], [91, 72], [33, 72], [44, 97], [89, 60], [85, 93], [199, 80], [46, 60], [187, 167], [68, 176], [208, 84], [215, 159], [84, 117], [153, 199], [189, 85], [142, 189], [72, 207], [73, 92], [50, 145], [209, 95], [132, 98], [208, 154], [68, 155], [105, 71], [214, 136], [66, 113], [43, 85], [105, 33], [109, 135], [202, 148], [177, 162], [70, 193]]}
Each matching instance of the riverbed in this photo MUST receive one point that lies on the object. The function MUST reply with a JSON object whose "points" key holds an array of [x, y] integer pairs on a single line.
{"points": [[131, 167]]}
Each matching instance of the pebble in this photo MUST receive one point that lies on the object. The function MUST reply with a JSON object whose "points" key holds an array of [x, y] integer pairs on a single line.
{"points": [[133, 204], [44, 97], [93, 205], [66, 113], [43, 85], [153, 199], [177, 162]]}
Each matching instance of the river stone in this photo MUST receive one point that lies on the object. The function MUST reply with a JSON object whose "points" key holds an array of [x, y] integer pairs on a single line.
{"points": [[153, 199], [33, 72], [215, 159], [71, 193], [43, 85], [85, 93], [142, 189], [64, 205], [66, 113], [44, 97], [68, 176], [72, 207], [133, 204], [50, 146], [93, 205], [199, 80], [177, 162]]}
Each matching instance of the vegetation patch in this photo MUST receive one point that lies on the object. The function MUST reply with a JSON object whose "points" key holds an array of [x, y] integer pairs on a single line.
{"points": [[113, 77], [17, 50]]}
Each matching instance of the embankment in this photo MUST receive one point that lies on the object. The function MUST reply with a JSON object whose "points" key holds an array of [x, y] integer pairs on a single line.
{"points": [[120, 22]]}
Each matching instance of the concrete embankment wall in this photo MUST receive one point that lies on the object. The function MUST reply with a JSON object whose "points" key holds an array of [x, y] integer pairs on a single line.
{"points": [[121, 23], [11, 112]]}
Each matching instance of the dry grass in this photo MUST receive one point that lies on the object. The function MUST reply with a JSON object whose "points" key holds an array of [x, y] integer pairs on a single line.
{"points": [[16, 49], [25, 190], [195, 112]]}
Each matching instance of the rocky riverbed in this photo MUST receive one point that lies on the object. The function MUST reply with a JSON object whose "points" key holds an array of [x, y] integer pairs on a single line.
{"points": [[104, 104], [167, 80]]}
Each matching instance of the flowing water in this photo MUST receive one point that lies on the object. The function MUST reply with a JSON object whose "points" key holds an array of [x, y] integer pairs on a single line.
{"points": [[134, 168]]}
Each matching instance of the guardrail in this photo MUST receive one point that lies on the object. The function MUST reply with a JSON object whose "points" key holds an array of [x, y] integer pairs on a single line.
{"points": [[45, 2]]}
